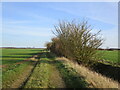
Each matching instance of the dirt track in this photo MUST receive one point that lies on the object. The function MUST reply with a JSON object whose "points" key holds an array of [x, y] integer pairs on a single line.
{"points": [[57, 78]]}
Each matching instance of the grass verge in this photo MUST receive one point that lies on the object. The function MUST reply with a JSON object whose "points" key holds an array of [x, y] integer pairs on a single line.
{"points": [[71, 78], [94, 79]]}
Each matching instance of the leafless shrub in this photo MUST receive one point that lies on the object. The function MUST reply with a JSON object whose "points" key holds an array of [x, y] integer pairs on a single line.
{"points": [[75, 41]]}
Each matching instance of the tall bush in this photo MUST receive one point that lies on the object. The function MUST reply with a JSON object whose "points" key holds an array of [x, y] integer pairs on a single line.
{"points": [[75, 41]]}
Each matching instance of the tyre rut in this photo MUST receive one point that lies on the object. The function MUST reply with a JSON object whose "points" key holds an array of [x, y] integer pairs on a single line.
{"points": [[35, 57]]}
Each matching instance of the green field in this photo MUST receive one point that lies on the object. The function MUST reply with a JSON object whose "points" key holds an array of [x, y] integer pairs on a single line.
{"points": [[111, 56], [14, 64], [47, 72], [10, 56]]}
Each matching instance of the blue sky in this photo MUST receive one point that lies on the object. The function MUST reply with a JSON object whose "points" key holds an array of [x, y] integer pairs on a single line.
{"points": [[29, 24]]}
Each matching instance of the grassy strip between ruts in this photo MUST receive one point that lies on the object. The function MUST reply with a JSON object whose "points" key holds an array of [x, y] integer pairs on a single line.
{"points": [[50, 73], [43, 77]]}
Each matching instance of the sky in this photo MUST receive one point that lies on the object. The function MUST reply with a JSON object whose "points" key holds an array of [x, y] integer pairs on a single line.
{"points": [[30, 24]]}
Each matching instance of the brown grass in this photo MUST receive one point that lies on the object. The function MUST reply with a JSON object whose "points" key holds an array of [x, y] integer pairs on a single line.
{"points": [[56, 79], [94, 79]]}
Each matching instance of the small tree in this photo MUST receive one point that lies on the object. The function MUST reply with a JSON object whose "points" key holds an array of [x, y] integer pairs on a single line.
{"points": [[76, 41]]}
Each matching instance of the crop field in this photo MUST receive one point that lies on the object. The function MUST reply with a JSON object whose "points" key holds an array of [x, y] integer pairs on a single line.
{"points": [[38, 68], [10, 56], [111, 56], [15, 62]]}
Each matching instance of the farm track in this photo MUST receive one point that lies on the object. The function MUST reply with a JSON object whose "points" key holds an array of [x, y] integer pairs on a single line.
{"points": [[30, 73], [59, 73], [45, 75], [57, 79], [22, 79]]}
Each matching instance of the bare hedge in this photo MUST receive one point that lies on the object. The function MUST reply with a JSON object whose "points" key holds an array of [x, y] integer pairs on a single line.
{"points": [[75, 41]]}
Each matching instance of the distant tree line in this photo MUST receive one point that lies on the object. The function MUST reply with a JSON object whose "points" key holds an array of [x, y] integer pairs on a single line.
{"points": [[75, 41]]}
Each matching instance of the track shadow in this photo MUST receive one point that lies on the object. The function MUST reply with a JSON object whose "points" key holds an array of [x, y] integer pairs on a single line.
{"points": [[16, 59], [47, 55], [39, 50], [11, 61], [16, 56], [23, 53]]}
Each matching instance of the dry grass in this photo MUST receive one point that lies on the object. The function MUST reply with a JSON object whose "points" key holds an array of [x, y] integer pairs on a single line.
{"points": [[56, 79], [94, 79]]}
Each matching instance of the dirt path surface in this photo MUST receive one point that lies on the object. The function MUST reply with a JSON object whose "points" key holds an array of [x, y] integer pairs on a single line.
{"points": [[2, 66], [56, 79]]}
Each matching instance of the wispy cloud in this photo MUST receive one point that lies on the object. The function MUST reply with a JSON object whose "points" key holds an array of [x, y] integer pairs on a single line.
{"points": [[36, 17], [29, 21], [28, 31], [102, 14]]}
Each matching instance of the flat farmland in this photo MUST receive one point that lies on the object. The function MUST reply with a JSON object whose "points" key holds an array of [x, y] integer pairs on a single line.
{"points": [[10, 56], [15, 63], [111, 56], [39, 68]]}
